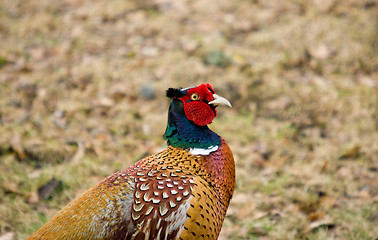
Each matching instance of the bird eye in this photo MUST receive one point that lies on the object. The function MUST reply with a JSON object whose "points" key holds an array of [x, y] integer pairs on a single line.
{"points": [[194, 97]]}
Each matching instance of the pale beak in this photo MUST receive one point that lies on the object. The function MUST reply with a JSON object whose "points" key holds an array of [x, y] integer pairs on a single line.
{"points": [[218, 100]]}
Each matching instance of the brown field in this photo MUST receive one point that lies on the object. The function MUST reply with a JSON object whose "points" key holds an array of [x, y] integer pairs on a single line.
{"points": [[82, 87]]}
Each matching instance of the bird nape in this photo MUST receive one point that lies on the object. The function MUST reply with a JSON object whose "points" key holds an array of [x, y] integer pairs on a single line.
{"points": [[182, 192]]}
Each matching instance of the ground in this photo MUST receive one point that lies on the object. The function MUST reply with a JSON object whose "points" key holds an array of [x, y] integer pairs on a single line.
{"points": [[82, 87]]}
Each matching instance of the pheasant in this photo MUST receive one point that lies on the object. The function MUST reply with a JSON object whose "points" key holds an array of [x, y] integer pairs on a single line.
{"points": [[182, 192]]}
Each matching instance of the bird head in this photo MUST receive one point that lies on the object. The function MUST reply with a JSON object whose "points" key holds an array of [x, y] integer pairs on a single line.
{"points": [[199, 102]]}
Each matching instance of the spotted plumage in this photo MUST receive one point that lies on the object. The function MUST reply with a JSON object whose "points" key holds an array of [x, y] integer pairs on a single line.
{"points": [[182, 192]]}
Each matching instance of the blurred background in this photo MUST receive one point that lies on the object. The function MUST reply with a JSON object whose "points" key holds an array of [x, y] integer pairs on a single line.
{"points": [[82, 95]]}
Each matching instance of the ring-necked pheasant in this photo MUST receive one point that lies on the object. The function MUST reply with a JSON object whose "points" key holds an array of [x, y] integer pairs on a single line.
{"points": [[182, 192]]}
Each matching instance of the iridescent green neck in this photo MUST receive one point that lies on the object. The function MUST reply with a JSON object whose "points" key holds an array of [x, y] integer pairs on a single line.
{"points": [[183, 133]]}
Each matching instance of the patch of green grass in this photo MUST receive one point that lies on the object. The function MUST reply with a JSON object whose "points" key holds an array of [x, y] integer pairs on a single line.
{"points": [[3, 61], [276, 184], [362, 219]]}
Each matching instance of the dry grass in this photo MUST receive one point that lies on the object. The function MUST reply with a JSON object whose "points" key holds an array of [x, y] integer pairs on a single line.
{"points": [[82, 95]]}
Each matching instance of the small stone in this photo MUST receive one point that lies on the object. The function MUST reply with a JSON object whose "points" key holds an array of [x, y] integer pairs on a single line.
{"points": [[367, 81], [33, 198], [364, 194], [147, 92], [7, 236], [190, 45], [10, 187], [37, 53], [321, 52], [106, 102], [47, 189], [217, 58], [59, 114], [149, 51], [324, 5]]}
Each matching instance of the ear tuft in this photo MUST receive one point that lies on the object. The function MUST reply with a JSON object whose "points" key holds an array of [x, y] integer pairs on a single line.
{"points": [[173, 93]]}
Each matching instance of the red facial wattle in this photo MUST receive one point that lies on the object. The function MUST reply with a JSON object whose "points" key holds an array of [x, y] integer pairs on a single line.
{"points": [[199, 111]]}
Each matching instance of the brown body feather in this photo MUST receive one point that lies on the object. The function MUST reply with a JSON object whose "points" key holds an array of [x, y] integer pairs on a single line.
{"points": [[170, 195]]}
